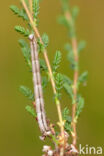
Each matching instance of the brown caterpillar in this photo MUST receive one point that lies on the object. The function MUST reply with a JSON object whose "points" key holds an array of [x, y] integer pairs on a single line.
{"points": [[38, 93]]}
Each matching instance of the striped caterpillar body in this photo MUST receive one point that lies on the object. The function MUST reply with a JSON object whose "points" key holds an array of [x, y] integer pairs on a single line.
{"points": [[38, 93]]}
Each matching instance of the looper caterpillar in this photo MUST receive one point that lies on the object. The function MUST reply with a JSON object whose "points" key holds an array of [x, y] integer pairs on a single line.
{"points": [[38, 93]]}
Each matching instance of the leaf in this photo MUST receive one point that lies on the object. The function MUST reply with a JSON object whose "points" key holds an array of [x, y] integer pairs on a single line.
{"points": [[27, 92], [68, 47], [80, 106], [59, 82], [81, 46], [68, 127], [19, 12], [68, 89], [44, 82], [40, 46], [62, 20], [22, 30], [67, 80], [43, 66], [26, 52], [57, 60], [65, 113], [75, 12], [83, 77], [45, 39], [35, 8], [67, 118], [30, 110], [65, 5]]}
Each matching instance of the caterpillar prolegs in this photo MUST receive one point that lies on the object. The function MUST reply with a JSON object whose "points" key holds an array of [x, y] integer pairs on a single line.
{"points": [[38, 93]]}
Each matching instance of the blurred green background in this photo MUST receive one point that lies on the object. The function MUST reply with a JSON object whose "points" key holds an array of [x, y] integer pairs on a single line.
{"points": [[19, 133]]}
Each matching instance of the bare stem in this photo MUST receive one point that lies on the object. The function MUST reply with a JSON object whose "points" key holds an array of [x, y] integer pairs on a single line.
{"points": [[48, 65], [76, 73], [30, 6]]}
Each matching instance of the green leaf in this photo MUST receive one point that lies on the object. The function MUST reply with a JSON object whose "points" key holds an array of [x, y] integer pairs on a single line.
{"points": [[62, 20], [31, 111], [22, 30], [45, 39], [80, 106], [65, 5], [43, 66], [81, 46], [67, 118], [68, 47], [35, 8], [75, 12], [68, 127], [68, 89], [27, 92], [83, 77], [59, 82], [19, 12], [57, 60], [44, 82], [40, 46], [67, 80], [65, 113], [26, 52]]}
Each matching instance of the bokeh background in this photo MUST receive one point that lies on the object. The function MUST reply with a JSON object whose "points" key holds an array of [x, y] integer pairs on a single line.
{"points": [[19, 133]]}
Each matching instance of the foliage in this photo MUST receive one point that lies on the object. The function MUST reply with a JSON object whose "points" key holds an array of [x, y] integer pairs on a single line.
{"points": [[22, 30], [59, 83], [68, 19], [43, 66], [67, 119], [57, 60], [45, 39], [83, 77], [27, 92], [31, 111], [19, 12], [26, 52], [44, 82], [35, 8], [80, 105], [67, 80], [81, 46]]}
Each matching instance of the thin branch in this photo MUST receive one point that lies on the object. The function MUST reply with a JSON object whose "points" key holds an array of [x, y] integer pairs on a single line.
{"points": [[30, 6], [48, 65], [76, 73]]}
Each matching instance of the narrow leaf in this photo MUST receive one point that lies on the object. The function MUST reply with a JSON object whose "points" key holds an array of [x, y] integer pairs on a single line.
{"points": [[57, 60], [27, 92], [80, 106], [22, 30], [31, 111], [83, 77], [45, 39]]}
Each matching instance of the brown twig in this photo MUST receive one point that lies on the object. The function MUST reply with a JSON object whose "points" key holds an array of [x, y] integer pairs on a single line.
{"points": [[76, 73], [30, 6], [48, 65]]}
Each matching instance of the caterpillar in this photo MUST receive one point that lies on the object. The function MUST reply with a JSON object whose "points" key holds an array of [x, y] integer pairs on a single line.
{"points": [[38, 92]]}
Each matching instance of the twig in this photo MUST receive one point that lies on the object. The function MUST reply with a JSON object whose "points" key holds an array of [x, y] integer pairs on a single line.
{"points": [[76, 73], [30, 6], [49, 67]]}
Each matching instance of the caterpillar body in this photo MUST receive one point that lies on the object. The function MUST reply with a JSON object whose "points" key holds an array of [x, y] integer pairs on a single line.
{"points": [[38, 93]]}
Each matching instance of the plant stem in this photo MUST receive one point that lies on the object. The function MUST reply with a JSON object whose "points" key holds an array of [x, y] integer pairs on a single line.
{"points": [[76, 73], [30, 6], [48, 65]]}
